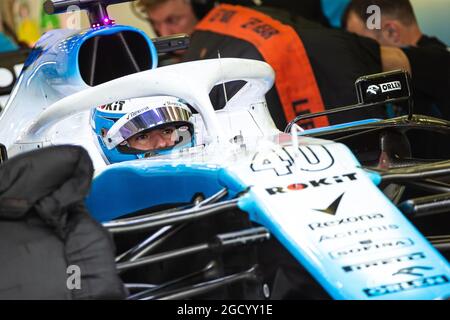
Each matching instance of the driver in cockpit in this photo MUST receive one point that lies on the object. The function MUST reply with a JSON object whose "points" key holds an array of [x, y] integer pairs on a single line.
{"points": [[142, 127], [153, 139]]}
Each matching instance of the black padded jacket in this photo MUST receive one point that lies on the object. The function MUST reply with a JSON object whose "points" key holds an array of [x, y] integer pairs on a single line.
{"points": [[47, 234]]}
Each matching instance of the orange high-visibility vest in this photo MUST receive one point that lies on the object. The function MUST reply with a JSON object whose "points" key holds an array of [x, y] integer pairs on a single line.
{"points": [[282, 48]]}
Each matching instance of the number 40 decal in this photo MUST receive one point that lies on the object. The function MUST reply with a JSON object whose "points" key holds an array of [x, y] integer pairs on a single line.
{"points": [[310, 158]]}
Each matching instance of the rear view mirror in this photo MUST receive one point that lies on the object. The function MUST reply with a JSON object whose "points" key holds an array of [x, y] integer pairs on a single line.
{"points": [[384, 87], [373, 90], [3, 153]]}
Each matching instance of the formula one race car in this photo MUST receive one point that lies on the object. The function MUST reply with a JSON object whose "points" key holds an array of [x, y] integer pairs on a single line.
{"points": [[333, 201]]}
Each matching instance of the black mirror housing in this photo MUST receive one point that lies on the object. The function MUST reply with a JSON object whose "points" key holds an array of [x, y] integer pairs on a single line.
{"points": [[383, 87]]}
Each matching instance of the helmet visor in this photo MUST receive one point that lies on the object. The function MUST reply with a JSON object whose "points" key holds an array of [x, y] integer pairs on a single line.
{"points": [[153, 141], [146, 119]]}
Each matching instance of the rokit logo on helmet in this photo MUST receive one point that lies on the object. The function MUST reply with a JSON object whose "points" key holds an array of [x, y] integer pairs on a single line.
{"points": [[115, 106], [314, 184]]}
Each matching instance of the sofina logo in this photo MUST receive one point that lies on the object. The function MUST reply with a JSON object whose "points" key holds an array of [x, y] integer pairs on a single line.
{"points": [[371, 246]]}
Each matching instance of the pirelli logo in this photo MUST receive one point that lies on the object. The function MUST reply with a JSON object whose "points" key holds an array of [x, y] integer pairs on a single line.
{"points": [[384, 262]]}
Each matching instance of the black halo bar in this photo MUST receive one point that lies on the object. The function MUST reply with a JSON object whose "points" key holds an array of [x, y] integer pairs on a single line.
{"points": [[220, 242], [426, 206]]}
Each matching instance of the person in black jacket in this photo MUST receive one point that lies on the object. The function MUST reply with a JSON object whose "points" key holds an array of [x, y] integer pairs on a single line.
{"points": [[337, 58], [51, 248], [428, 57]]}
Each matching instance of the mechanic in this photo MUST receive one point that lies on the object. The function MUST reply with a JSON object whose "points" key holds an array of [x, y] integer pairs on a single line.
{"points": [[428, 56], [398, 28], [142, 127], [329, 60], [181, 16], [175, 16]]}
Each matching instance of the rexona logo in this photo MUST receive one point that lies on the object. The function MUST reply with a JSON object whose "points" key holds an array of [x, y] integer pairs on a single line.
{"points": [[344, 221], [391, 86], [313, 184], [407, 285], [370, 246]]}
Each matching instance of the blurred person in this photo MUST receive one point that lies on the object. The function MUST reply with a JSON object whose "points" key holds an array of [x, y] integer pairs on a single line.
{"points": [[169, 17], [308, 9], [27, 28], [329, 61], [403, 40], [325, 81], [399, 26]]}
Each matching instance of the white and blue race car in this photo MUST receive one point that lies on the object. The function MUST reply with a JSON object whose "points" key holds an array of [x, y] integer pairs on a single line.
{"points": [[332, 206]]}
